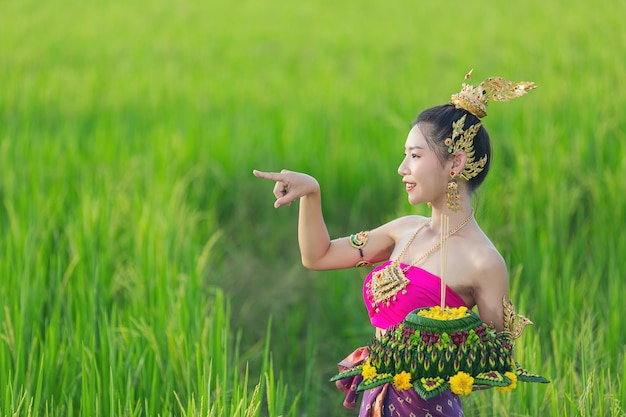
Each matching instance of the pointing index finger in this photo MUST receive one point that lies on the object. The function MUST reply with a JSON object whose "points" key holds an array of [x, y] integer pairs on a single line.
{"points": [[274, 176]]}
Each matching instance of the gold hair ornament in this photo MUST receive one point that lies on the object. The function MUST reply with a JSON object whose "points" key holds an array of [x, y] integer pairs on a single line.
{"points": [[475, 99], [462, 140]]}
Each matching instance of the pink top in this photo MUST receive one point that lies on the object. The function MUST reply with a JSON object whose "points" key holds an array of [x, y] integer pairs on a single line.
{"points": [[423, 290]]}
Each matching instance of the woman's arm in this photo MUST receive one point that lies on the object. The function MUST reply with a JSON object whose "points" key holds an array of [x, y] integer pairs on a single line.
{"points": [[317, 250], [492, 285]]}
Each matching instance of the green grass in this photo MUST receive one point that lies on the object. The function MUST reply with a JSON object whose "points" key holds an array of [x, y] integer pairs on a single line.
{"points": [[140, 261]]}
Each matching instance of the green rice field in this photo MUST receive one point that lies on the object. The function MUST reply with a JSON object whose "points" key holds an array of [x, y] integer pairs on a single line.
{"points": [[143, 268]]}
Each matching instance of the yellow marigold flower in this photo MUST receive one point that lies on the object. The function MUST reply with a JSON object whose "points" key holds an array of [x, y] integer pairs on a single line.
{"points": [[511, 386], [461, 383], [448, 313], [402, 381], [368, 370]]}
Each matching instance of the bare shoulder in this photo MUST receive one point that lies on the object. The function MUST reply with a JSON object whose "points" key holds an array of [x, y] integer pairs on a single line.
{"points": [[401, 226], [383, 239], [487, 264]]}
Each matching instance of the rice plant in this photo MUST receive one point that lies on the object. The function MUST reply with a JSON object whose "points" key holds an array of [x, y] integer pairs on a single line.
{"points": [[143, 269]]}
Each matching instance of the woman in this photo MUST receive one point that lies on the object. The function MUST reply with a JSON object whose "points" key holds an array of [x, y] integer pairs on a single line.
{"points": [[446, 157]]}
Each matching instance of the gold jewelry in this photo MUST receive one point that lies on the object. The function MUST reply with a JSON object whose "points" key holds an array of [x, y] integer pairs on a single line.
{"points": [[475, 99], [514, 323], [462, 140], [452, 193], [436, 245], [391, 280], [357, 241]]}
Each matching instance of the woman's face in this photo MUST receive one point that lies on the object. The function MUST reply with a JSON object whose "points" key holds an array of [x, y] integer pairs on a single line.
{"points": [[422, 172]]}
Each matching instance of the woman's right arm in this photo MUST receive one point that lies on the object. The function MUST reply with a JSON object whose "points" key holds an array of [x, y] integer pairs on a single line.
{"points": [[317, 250]]}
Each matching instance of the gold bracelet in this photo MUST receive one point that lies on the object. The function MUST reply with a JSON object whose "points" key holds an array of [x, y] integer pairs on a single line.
{"points": [[362, 263], [357, 241]]}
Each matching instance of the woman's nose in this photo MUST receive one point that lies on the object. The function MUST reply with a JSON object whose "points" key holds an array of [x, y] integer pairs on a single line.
{"points": [[402, 169]]}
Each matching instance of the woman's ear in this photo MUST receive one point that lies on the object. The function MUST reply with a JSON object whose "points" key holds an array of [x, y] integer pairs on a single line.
{"points": [[459, 159]]}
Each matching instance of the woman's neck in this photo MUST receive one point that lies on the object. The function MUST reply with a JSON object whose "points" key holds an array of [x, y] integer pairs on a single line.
{"points": [[456, 219]]}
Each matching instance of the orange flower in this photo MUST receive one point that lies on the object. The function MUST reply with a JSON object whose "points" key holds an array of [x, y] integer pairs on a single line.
{"points": [[368, 370], [461, 383], [402, 381]]}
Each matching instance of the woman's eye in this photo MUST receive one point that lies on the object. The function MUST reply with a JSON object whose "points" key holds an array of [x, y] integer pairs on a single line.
{"points": [[414, 155]]}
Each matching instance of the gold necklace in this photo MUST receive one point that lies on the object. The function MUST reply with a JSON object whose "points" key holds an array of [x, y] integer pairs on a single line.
{"points": [[389, 281], [436, 246]]}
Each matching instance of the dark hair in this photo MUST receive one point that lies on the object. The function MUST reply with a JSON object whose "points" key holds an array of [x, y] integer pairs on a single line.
{"points": [[436, 125]]}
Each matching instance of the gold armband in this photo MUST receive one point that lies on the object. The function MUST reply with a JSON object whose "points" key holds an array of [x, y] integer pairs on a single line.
{"points": [[357, 241]]}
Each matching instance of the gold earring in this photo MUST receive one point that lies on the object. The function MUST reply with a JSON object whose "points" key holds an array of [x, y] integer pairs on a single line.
{"points": [[453, 193]]}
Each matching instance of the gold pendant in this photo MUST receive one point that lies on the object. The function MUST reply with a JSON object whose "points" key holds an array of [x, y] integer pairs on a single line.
{"points": [[386, 283]]}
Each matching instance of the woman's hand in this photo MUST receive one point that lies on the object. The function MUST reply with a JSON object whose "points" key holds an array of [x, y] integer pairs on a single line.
{"points": [[289, 185]]}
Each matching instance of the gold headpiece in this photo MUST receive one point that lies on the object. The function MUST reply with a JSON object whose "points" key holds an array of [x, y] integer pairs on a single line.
{"points": [[475, 99], [462, 140]]}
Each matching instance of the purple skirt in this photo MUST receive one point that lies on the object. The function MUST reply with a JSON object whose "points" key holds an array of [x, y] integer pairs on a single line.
{"points": [[386, 401]]}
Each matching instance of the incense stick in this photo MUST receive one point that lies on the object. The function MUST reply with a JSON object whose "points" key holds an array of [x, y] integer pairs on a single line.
{"points": [[445, 226]]}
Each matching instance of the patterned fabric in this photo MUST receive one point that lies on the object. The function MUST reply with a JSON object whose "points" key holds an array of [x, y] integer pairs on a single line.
{"points": [[386, 401], [349, 385], [423, 290]]}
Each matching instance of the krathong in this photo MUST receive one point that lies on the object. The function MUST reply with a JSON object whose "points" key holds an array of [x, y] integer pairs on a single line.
{"points": [[438, 349]]}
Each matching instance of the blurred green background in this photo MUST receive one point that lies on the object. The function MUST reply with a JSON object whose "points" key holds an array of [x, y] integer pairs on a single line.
{"points": [[141, 262]]}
